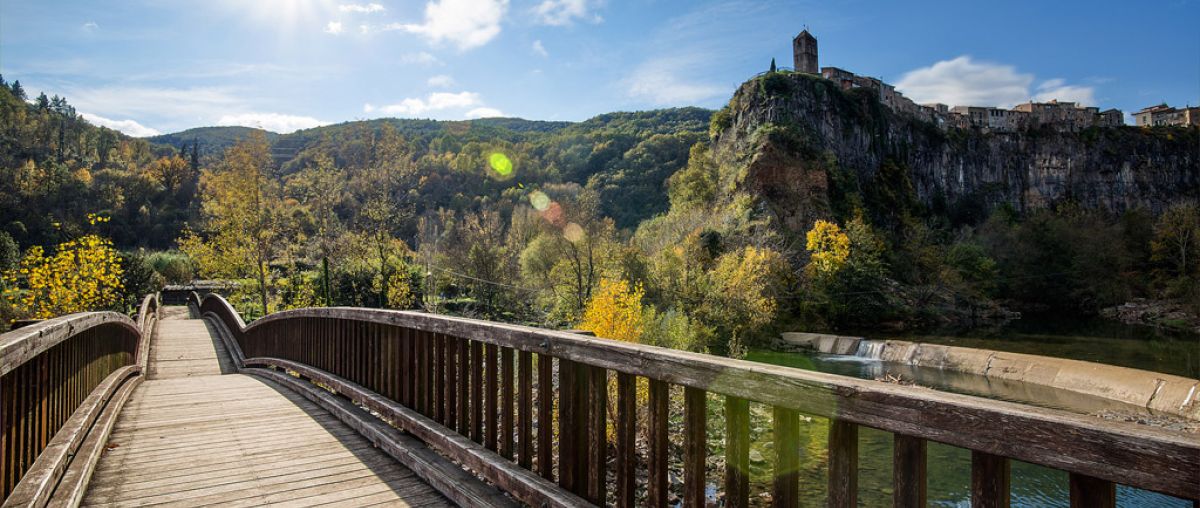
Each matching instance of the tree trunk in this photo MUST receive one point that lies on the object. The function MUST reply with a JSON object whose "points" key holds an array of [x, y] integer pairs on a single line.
{"points": [[262, 285]]}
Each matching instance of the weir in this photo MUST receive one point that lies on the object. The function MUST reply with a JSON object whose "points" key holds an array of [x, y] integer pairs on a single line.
{"points": [[350, 406]]}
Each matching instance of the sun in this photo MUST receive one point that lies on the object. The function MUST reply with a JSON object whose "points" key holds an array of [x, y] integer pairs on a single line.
{"points": [[285, 15]]}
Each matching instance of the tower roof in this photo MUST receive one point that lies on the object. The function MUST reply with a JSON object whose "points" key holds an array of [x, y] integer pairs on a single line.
{"points": [[805, 35]]}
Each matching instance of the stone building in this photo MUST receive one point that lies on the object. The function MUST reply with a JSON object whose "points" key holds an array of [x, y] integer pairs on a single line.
{"points": [[804, 53], [1164, 115], [1061, 116]]}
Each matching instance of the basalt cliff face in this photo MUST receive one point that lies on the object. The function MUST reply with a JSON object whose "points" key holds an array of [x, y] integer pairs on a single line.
{"points": [[802, 145]]}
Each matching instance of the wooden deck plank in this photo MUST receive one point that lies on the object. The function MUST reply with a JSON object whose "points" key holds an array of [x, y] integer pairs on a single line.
{"points": [[193, 435]]}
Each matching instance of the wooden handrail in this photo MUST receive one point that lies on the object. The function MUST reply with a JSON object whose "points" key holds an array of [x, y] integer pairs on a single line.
{"points": [[55, 376], [460, 373]]}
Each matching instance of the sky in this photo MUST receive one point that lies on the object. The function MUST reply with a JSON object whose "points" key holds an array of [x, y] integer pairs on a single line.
{"points": [[156, 66]]}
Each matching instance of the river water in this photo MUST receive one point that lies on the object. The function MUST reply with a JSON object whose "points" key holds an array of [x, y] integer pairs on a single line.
{"points": [[949, 468]]}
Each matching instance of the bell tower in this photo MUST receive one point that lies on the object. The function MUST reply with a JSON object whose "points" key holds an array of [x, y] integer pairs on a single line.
{"points": [[804, 53]]}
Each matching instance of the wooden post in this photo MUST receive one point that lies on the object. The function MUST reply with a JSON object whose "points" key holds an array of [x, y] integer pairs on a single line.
{"points": [[695, 449], [989, 480], [597, 438], [491, 391], [908, 471], [545, 419], [737, 452], [506, 403], [626, 440], [568, 425], [786, 490], [525, 409], [656, 430], [843, 464], [1089, 492]]}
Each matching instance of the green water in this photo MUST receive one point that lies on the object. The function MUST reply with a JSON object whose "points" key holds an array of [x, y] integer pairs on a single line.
{"points": [[1093, 340], [949, 468]]}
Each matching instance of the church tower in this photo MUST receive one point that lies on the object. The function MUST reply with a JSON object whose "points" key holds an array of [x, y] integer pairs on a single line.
{"points": [[804, 53]]}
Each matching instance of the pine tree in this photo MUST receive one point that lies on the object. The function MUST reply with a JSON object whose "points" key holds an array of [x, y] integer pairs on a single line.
{"points": [[18, 91], [43, 103], [773, 65]]}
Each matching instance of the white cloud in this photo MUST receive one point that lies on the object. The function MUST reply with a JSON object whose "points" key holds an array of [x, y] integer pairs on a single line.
{"points": [[361, 8], [564, 12], [965, 82], [90, 25], [334, 27], [149, 102], [539, 49], [1059, 89], [662, 81], [434, 102], [129, 127], [441, 81], [466, 23], [273, 122], [421, 58], [484, 113], [444, 105]]}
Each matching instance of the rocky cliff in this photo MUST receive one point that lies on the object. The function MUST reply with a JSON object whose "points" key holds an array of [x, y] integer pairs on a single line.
{"points": [[806, 149]]}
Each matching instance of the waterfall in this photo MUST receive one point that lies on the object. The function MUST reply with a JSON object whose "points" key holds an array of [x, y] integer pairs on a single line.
{"points": [[872, 349]]}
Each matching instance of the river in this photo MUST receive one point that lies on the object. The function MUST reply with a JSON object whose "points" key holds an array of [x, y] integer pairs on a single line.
{"points": [[949, 468]]}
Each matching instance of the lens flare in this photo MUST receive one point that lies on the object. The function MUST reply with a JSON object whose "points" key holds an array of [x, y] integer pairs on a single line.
{"points": [[573, 233], [500, 163], [554, 215], [539, 200]]}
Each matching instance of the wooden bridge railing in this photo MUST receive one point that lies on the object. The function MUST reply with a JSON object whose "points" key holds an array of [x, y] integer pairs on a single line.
{"points": [[61, 381], [525, 407]]}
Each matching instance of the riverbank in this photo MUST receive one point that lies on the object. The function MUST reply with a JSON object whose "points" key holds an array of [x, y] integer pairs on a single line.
{"points": [[1160, 393], [1171, 314]]}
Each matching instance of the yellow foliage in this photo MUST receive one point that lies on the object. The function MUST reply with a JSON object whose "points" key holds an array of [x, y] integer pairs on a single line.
{"points": [[81, 275], [615, 311], [830, 248]]}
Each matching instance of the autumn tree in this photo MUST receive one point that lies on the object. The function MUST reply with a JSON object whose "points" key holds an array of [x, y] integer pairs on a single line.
{"points": [[244, 217], [320, 188], [83, 274], [615, 311]]}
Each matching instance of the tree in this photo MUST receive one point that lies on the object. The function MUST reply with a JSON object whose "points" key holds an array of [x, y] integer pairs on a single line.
{"points": [[744, 285], [84, 274], [773, 65], [18, 91], [1177, 238], [170, 172], [320, 187], [244, 217], [829, 248], [615, 311]]}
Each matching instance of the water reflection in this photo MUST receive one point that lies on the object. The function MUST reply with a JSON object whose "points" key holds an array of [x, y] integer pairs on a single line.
{"points": [[949, 468]]}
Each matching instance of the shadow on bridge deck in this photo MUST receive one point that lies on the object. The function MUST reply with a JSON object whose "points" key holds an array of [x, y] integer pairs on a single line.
{"points": [[190, 436]]}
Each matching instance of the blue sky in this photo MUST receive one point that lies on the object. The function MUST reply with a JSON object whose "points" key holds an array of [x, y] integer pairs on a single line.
{"points": [[146, 66]]}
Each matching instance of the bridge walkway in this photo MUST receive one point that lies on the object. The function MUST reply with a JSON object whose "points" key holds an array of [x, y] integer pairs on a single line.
{"points": [[196, 434]]}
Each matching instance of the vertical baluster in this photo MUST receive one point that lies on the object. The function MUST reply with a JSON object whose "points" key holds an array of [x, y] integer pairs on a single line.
{"points": [[626, 430], [568, 459], [737, 452], [5, 443], [695, 449], [445, 376], [657, 438], [597, 446], [464, 384], [908, 471], [408, 376], [525, 409], [545, 418], [452, 361], [989, 480], [439, 394], [843, 463], [477, 391], [491, 391], [506, 403], [1090, 492], [786, 489], [427, 371]]}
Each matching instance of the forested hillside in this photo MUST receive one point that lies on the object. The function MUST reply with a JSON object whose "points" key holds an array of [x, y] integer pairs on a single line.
{"points": [[675, 227]]}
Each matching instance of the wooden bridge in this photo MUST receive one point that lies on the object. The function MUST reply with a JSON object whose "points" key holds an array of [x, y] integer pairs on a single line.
{"points": [[189, 406]]}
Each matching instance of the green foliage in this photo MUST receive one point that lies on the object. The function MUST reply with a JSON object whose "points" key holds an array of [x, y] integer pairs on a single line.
{"points": [[173, 267], [10, 253]]}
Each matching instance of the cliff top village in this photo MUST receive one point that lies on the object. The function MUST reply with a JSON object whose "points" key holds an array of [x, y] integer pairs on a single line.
{"points": [[1061, 116]]}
